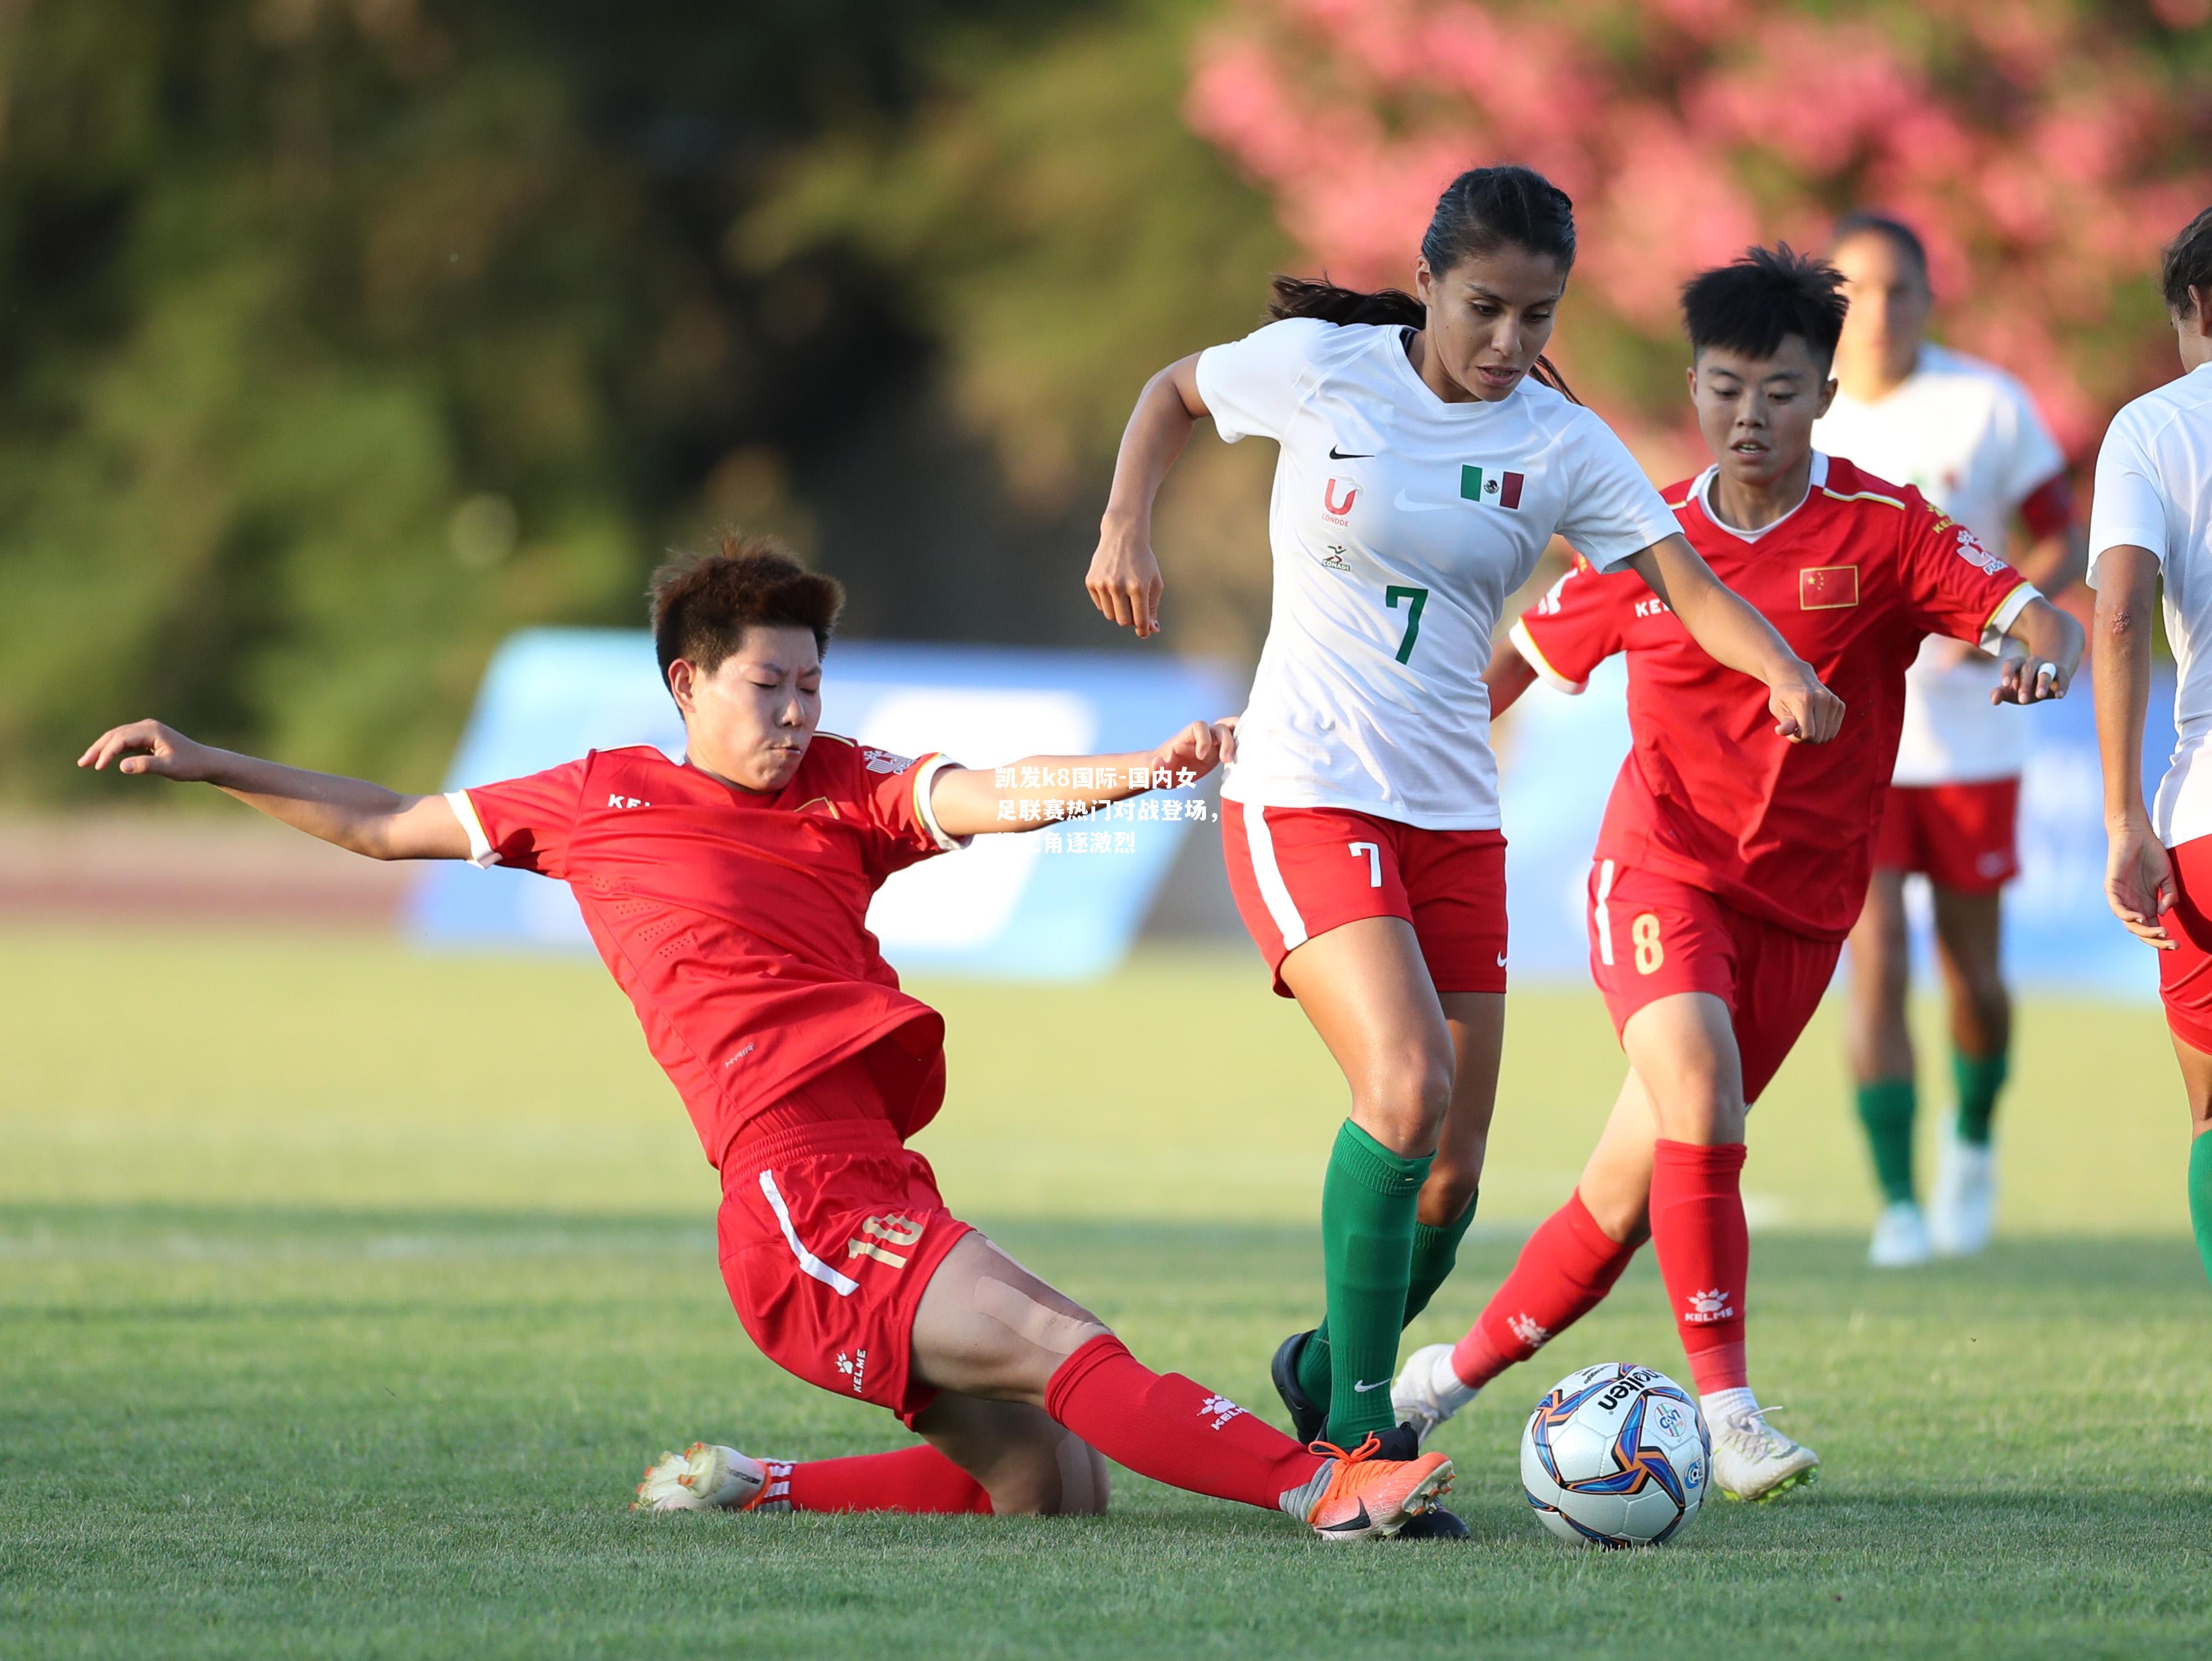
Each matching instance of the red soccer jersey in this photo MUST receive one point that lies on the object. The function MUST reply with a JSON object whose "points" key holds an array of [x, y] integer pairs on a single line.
{"points": [[1853, 578], [736, 923]]}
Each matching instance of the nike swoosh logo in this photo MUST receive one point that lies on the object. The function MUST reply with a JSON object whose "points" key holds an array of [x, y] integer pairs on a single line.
{"points": [[1405, 507], [1501, 960], [1335, 454], [1352, 1524], [1364, 1389]]}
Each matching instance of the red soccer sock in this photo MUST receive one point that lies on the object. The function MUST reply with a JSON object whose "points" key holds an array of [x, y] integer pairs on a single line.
{"points": [[916, 1479], [1704, 1254], [1564, 1271], [1173, 1429]]}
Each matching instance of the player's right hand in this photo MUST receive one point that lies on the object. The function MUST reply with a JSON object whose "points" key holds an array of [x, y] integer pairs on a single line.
{"points": [[1124, 579], [148, 746], [2139, 884], [1804, 710]]}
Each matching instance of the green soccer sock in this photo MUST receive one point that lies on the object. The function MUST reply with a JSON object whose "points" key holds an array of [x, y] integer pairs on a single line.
{"points": [[1367, 1205], [1978, 1078], [1436, 1248], [2200, 1197], [1886, 1108]]}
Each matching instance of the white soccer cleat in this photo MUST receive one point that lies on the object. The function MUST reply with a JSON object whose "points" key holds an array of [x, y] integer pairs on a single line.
{"points": [[1964, 1211], [703, 1477], [1426, 1392], [1753, 1461], [1900, 1238]]}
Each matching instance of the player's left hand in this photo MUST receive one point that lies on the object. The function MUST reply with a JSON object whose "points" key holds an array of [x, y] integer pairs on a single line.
{"points": [[1200, 747], [1804, 710], [2139, 882], [2022, 679]]}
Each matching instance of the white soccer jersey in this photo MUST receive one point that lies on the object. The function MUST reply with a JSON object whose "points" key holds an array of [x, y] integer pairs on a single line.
{"points": [[2154, 491], [1400, 524], [1968, 435]]}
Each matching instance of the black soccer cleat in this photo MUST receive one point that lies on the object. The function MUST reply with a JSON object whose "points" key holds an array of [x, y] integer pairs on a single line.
{"points": [[1434, 1524], [1307, 1421]]}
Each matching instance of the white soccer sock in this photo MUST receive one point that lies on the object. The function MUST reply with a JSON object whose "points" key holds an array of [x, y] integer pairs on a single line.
{"points": [[1722, 1403], [1445, 1385]]}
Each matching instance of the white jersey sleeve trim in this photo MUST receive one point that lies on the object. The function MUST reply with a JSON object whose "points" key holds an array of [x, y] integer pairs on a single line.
{"points": [[1525, 643], [481, 852], [1993, 631], [925, 780]]}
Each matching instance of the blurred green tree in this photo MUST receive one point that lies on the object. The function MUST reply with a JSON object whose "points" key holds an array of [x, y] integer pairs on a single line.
{"points": [[339, 337]]}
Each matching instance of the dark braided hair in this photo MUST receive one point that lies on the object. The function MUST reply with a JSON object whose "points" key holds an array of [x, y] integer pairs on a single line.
{"points": [[1483, 210], [2187, 268]]}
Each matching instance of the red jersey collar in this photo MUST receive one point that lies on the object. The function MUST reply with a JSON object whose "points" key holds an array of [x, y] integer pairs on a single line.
{"points": [[1816, 480]]}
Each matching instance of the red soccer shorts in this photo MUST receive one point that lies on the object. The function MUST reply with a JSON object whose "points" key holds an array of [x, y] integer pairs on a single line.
{"points": [[1963, 835], [830, 1229], [2185, 974], [1299, 872], [1652, 936]]}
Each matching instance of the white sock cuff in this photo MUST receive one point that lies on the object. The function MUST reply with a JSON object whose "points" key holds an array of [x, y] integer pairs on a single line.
{"points": [[1447, 1385], [1721, 1402]]}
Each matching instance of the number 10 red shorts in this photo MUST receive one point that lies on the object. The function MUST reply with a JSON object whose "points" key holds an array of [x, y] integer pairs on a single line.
{"points": [[830, 1230]]}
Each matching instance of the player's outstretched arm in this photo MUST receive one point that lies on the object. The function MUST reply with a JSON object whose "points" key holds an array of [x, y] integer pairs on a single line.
{"points": [[2138, 875], [1734, 634], [358, 816], [2043, 650], [1124, 579], [1508, 676], [967, 800]]}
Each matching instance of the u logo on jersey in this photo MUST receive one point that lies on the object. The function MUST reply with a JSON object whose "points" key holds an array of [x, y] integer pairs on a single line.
{"points": [[1331, 509]]}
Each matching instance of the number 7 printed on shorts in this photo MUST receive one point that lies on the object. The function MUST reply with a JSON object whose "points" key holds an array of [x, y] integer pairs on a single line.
{"points": [[1374, 852]]}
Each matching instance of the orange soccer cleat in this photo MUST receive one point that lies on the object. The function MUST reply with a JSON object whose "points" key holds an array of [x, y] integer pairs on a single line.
{"points": [[1363, 1495]]}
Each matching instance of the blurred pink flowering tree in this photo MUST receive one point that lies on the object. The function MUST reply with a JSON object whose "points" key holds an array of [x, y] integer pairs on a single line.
{"points": [[2045, 150]]}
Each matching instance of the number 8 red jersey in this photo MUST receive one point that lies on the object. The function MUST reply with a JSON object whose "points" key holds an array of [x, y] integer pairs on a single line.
{"points": [[1854, 577]]}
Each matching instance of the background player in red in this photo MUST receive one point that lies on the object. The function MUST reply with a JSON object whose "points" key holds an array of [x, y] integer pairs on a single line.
{"points": [[1731, 864], [728, 894]]}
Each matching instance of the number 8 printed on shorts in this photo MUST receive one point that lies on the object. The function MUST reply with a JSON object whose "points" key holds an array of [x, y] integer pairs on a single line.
{"points": [[1643, 933]]}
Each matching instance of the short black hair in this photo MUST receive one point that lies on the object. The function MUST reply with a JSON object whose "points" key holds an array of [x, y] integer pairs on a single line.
{"points": [[2187, 267], [1753, 304], [1862, 222], [702, 603]]}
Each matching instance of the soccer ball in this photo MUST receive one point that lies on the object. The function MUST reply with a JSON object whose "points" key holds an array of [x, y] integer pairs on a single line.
{"points": [[1616, 1456]]}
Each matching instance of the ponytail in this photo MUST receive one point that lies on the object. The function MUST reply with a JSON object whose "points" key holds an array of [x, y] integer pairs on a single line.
{"points": [[1303, 296], [1482, 209]]}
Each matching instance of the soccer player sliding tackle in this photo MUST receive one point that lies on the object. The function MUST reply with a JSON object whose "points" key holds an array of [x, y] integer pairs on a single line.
{"points": [[1732, 859], [728, 894]]}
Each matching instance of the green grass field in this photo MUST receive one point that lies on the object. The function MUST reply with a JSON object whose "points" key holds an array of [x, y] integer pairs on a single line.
{"points": [[343, 1292]]}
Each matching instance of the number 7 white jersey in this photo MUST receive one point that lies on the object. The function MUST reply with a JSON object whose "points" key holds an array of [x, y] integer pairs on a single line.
{"points": [[1400, 524]]}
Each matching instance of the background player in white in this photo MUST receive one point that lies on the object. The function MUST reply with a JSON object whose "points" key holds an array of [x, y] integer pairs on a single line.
{"points": [[1428, 454], [2152, 518], [1967, 435]]}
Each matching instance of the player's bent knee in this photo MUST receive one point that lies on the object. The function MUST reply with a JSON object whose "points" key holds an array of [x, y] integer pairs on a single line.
{"points": [[1402, 1103]]}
